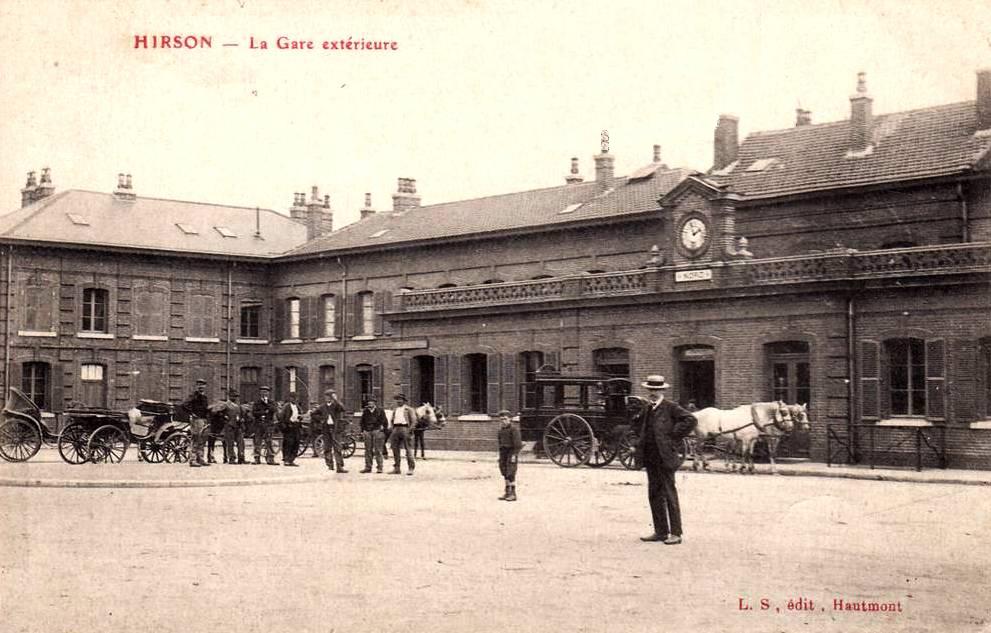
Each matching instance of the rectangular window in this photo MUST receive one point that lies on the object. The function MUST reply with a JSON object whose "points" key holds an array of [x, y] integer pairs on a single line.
{"points": [[251, 320], [907, 376], [329, 315], [367, 313], [328, 378], [94, 310], [249, 378], [293, 379], [203, 313], [93, 388], [91, 372], [149, 312], [293, 310], [365, 383], [477, 369], [35, 382], [38, 303]]}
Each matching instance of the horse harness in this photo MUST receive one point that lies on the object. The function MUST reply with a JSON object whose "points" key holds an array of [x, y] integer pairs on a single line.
{"points": [[776, 422]]}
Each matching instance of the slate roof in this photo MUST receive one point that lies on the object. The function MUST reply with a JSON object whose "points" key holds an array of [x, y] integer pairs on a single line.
{"points": [[923, 143], [505, 212], [151, 223]]}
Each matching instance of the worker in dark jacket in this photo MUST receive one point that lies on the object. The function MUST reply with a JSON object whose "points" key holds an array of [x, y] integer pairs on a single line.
{"points": [[263, 412], [233, 430], [196, 404], [664, 425], [510, 445], [329, 417], [373, 423]]}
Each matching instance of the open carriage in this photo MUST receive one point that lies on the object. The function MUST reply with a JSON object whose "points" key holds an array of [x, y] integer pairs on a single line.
{"points": [[23, 428], [578, 420]]}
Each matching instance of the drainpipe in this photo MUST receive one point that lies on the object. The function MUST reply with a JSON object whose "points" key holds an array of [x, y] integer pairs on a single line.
{"points": [[344, 330], [964, 213], [851, 351], [6, 318], [230, 309]]}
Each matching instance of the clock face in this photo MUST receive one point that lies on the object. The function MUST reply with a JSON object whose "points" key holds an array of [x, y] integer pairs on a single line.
{"points": [[694, 234]]}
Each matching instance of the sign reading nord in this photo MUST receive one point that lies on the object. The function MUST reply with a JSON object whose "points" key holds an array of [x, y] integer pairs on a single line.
{"points": [[693, 275]]}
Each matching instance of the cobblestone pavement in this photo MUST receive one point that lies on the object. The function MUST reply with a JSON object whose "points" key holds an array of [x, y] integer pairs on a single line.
{"points": [[437, 552]]}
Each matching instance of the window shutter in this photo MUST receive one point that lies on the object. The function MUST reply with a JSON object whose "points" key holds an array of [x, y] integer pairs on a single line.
{"points": [[870, 380], [280, 382], [139, 312], [354, 315], [387, 306], [316, 319], [303, 387], [493, 374], [509, 395], [352, 399], [454, 383], [338, 315], [321, 320], [280, 329], [304, 317], [209, 315], [936, 379], [58, 393], [405, 371], [440, 381], [377, 373], [379, 298], [29, 299]]}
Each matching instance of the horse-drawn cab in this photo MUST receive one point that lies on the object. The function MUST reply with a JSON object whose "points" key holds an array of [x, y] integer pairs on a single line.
{"points": [[576, 419]]}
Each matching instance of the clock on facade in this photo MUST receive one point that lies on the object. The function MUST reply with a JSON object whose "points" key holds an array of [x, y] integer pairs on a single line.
{"points": [[694, 234]]}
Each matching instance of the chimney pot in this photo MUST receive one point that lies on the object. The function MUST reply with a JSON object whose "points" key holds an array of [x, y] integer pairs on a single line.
{"points": [[326, 201], [368, 200], [657, 153], [604, 165], [726, 143], [46, 176], [405, 197], [127, 180], [314, 193], [984, 99], [802, 117], [574, 177], [120, 180]]}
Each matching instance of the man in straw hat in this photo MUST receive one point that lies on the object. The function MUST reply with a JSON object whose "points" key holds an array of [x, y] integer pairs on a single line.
{"points": [[664, 425]]}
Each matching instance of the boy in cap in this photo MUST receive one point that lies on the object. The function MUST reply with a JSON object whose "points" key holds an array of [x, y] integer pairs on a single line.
{"points": [[510, 445]]}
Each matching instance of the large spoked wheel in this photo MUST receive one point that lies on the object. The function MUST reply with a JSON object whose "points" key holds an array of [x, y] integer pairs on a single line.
{"points": [[318, 445], [603, 452], [72, 444], [568, 440], [107, 444], [19, 440], [176, 448], [626, 451], [684, 450], [348, 446], [152, 451], [304, 443]]}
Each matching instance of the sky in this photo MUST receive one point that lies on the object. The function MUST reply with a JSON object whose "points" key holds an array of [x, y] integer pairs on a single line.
{"points": [[479, 98]]}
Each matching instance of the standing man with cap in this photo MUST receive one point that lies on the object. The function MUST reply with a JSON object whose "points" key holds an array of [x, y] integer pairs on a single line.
{"points": [[290, 420], [263, 411], [663, 426], [404, 418], [373, 425], [233, 430], [196, 404], [329, 416], [510, 445]]}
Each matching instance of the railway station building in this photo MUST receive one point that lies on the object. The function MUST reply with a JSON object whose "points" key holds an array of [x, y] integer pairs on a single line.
{"points": [[845, 265]]}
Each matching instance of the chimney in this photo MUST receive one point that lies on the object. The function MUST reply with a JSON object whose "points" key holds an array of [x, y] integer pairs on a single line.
{"points": [[802, 117], [604, 165], [860, 116], [657, 153], [368, 210], [29, 191], [318, 214], [298, 209], [124, 190], [327, 218], [405, 197], [984, 99], [725, 141], [574, 177]]}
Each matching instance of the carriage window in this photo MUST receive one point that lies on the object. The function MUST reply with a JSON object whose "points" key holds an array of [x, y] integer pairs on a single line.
{"points": [[35, 382], [251, 313], [95, 302], [573, 397]]}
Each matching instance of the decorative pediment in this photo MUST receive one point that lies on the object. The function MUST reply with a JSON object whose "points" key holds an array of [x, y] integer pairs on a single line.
{"points": [[697, 184]]}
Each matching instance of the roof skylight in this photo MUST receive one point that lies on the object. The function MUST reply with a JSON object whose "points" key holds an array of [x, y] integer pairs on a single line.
{"points": [[226, 232], [570, 208], [762, 164], [77, 219], [379, 233], [188, 229]]}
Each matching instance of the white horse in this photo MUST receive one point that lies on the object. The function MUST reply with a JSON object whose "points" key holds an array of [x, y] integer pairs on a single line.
{"points": [[740, 428]]}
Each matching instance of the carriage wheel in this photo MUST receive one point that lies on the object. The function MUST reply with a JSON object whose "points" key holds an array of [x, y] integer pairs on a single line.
{"points": [[626, 451], [19, 440], [176, 448], [304, 443], [568, 440], [152, 451], [348, 446], [72, 444], [107, 444], [684, 450], [318, 445], [603, 452]]}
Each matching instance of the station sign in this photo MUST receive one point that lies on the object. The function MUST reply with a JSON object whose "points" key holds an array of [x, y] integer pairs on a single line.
{"points": [[693, 275]]}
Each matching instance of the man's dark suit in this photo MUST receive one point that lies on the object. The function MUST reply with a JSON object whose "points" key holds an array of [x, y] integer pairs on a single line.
{"points": [[663, 427]]}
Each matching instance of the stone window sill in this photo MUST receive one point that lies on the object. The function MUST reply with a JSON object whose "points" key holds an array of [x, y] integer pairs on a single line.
{"points": [[149, 337], [327, 339], [37, 333], [290, 341], [98, 335], [363, 337], [251, 341], [904, 422], [984, 424], [475, 417], [201, 339]]}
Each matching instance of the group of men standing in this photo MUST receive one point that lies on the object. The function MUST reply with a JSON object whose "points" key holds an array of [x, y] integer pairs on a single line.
{"points": [[374, 426]]}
